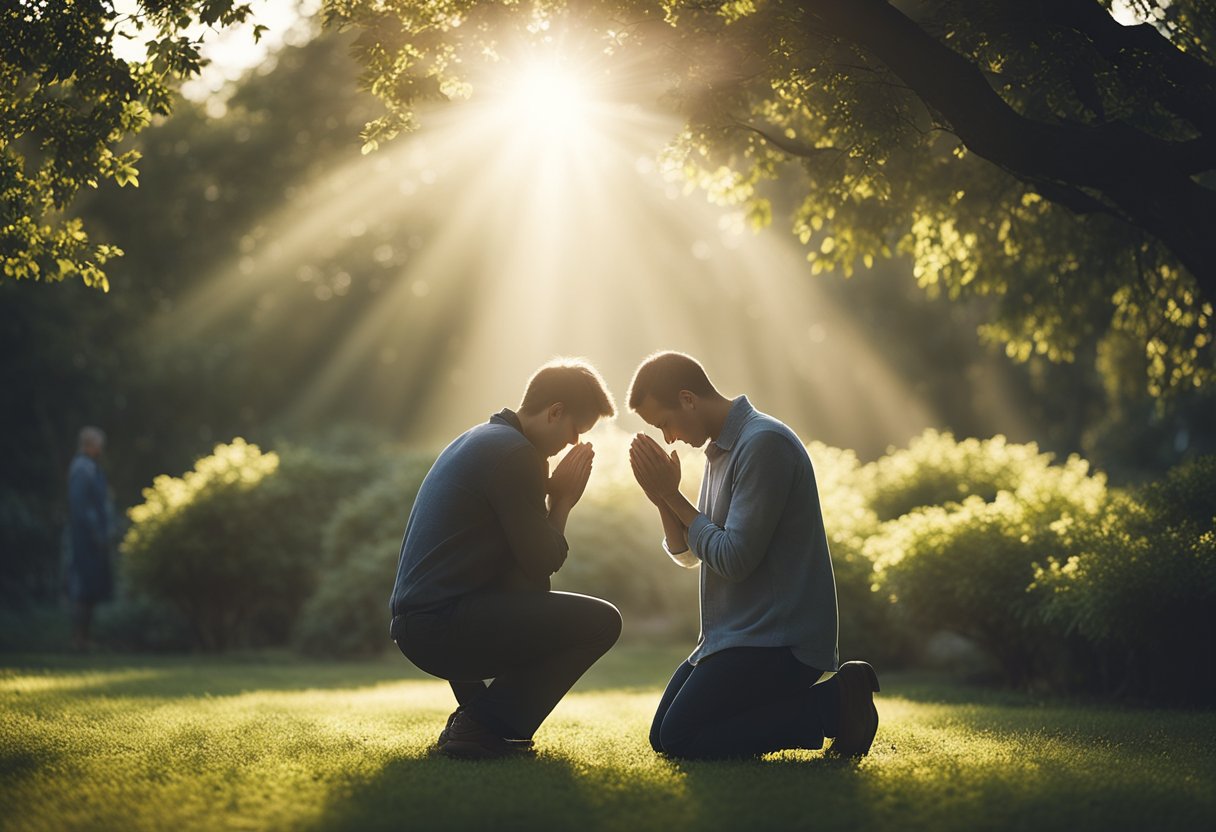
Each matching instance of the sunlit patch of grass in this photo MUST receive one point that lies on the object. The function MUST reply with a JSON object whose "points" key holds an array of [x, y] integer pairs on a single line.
{"points": [[218, 743], [13, 682]]}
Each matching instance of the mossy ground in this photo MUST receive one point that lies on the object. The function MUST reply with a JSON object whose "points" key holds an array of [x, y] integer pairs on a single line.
{"points": [[269, 742]]}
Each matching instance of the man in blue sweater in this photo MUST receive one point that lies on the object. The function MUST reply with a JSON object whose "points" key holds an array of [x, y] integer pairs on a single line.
{"points": [[472, 599], [768, 595]]}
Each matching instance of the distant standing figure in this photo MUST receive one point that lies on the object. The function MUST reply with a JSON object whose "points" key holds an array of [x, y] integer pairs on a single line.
{"points": [[88, 570]]}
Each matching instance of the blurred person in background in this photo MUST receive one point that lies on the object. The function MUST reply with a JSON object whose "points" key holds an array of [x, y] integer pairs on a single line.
{"points": [[87, 578]]}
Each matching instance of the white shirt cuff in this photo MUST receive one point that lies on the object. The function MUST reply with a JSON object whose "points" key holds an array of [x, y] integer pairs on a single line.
{"points": [[686, 558]]}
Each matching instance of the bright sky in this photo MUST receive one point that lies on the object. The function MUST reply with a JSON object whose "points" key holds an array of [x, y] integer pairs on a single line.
{"points": [[1127, 12], [232, 52]]}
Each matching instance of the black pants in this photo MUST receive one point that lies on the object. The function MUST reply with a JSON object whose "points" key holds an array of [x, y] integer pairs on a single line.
{"points": [[534, 645], [744, 701]]}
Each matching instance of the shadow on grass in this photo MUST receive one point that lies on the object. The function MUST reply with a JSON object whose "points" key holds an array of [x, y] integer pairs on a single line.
{"points": [[435, 793], [795, 790], [554, 792]]}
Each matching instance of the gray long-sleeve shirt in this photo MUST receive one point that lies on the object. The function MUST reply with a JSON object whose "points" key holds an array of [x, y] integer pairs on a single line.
{"points": [[479, 517], [766, 576]]}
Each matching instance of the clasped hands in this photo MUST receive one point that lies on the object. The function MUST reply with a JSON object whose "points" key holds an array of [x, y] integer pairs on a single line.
{"points": [[569, 478], [656, 472]]}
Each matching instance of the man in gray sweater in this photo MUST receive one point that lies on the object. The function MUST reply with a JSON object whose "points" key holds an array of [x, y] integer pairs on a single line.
{"points": [[768, 595], [471, 600]]}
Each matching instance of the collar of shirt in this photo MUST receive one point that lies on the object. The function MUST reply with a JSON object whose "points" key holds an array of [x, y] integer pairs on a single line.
{"points": [[507, 416], [740, 411]]}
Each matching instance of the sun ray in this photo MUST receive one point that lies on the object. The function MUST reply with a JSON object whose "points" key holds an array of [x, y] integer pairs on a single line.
{"points": [[544, 227]]}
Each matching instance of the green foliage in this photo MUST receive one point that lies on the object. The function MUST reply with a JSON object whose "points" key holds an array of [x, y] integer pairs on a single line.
{"points": [[348, 613], [935, 470], [1141, 586], [1057, 578], [966, 565], [234, 545], [616, 553], [377, 513], [138, 622], [23, 534], [1184, 499], [880, 174], [869, 628], [188, 544], [286, 520], [966, 569], [67, 105], [801, 105]]}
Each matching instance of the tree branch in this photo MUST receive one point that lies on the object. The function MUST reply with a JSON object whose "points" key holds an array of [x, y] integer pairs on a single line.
{"points": [[791, 146], [1190, 81], [1144, 178]]}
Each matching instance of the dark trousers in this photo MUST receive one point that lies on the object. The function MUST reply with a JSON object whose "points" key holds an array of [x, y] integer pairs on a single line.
{"points": [[534, 645], [744, 701]]}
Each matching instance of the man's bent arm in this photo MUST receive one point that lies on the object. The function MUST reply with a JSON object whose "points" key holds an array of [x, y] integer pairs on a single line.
{"points": [[534, 533], [559, 513], [758, 497]]}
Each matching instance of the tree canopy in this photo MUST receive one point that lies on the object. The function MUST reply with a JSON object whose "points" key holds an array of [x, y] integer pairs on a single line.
{"points": [[1036, 152], [67, 103]]}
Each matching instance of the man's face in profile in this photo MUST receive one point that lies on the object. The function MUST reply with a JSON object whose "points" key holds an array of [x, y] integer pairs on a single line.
{"points": [[565, 430], [677, 423]]}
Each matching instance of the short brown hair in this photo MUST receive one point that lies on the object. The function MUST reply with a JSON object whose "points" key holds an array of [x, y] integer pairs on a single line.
{"points": [[574, 383], [663, 375]]}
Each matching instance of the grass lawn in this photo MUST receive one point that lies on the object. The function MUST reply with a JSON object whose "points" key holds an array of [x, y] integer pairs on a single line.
{"points": [[271, 742]]}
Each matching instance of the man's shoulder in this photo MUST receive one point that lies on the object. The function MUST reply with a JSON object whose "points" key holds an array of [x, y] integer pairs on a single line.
{"points": [[495, 436], [486, 447], [767, 430], [766, 435]]}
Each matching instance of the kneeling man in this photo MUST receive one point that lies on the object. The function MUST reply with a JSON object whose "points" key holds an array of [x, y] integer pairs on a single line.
{"points": [[768, 595], [472, 599]]}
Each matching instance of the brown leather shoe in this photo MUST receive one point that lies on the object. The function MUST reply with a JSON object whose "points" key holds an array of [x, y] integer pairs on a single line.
{"points": [[858, 717], [467, 739]]}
